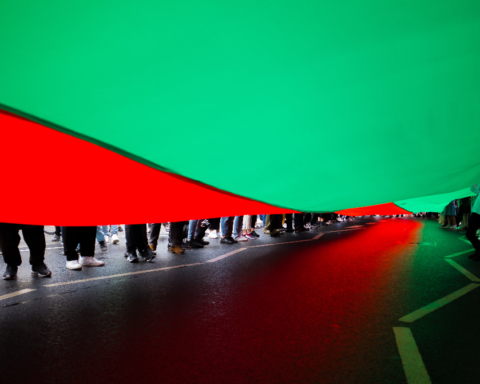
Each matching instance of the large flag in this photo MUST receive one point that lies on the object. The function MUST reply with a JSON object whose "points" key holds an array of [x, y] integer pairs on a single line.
{"points": [[152, 110]]}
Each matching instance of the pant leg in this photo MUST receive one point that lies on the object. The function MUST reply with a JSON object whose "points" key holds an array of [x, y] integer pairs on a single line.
{"points": [[237, 226], [473, 226], [71, 238], [314, 219], [142, 242], [197, 228], [202, 228], [247, 223], [214, 223], [87, 240], [307, 218], [229, 226], [58, 231], [275, 222], [267, 223], [192, 226], [9, 241], [298, 217], [289, 219], [175, 233], [130, 237], [223, 225], [99, 234], [114, 229], [253, 221], [154, 233], [35, 239]]}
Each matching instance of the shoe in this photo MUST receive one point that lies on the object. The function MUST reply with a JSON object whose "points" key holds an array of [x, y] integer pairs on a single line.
{"points": [[176, 249], [227, 240], [232, 239], [41, 270], [56, 238], [290, 230], [301, 229], [314, 225], [213, 234], [10, 272], [251, 237], [120, 229], [147, 254], [90, 261], [73, 265], [152, 247], [185, 245], [131, 257], [103, 246], [194, 244], [203, 242], [275, 233], [253, 233], [115, 239], [241, 238], [107, 239], [266, 231]]}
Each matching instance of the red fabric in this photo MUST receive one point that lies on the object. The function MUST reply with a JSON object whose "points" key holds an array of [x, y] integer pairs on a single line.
{"points": [[381, 209], [51, 178]]}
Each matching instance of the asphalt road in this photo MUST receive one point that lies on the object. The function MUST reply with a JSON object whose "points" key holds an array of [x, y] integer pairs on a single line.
{"points": [[324, 309]]}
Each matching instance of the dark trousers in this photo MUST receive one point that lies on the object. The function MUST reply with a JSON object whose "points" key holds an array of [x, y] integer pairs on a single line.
{"points": [[85, 236], [289, 221], [58, 231], [253, 222], [136, 237], [154, 233], [215, 223], [473, 226], [326, 217], [175, 234], [275, 222], [298, 217], [10, 239], [310, 218]]}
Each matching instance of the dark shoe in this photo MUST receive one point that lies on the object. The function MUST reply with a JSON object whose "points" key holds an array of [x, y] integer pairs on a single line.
{"points": [[120, 229], [176, 249], [194, 244], [56, 238], [232, 239], [41, 270], [131, 257], [201, 241], [185, 245], [290, 230], [10, 272], [301, 229], [275, 233], [227, 240], [152, 247], [253, 233], [103, 246], [147, 254]]}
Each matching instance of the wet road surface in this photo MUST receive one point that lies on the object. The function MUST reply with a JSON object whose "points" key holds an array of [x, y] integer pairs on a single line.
{"points": [[321, 310]]}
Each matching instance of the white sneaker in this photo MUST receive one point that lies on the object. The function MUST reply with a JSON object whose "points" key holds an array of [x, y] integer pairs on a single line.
{"points": [[213, 234], [107, 239], [115, 239], [241, 238], [73, 265], [90, 261]]}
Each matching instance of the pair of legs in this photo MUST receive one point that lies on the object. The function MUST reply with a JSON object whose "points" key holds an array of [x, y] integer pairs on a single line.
{"points": [[85, 237], [175, 237], [136, 239], [35, 239]]}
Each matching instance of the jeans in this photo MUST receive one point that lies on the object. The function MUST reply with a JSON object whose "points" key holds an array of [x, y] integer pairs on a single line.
{"points": [[175, 233], [10, 239], [226, 225], [136, 236], [237, 226], [102, 230], [263, 218], [154, 233], [72, 236], [193, 228], [114, 229], [473, 226]]}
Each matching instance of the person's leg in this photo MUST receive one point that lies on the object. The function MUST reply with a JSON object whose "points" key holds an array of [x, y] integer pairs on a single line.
{"points": [[314, 219], [9, 241], [264, 219], [114, 229], [473, 226], [253, 221], [275, 225], [87, 247], [70, 241], [223, 225], [130, 238], [289, 220], [307, 218], [99, 234], [266, 229], [237, 226], [298, 217], [192, 226], [35, 239], [154, 235], [142, 243], [175, 237], [214, 223], [229, 229]]}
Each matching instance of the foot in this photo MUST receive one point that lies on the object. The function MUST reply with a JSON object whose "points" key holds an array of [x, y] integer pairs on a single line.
{"points": [[176, 249], [103, 246], [201, 241], [131, 257], [153, 247], [10, 272], [301, 229], [249, 236], [266, 231], [41, 270], [213, 234], [148, 255], [275, 233], [90, 261], [194, 244], [115, 239], [253, 233], [107, 239], [241, 238], [56, 238], [227, 240], [73, 265]]}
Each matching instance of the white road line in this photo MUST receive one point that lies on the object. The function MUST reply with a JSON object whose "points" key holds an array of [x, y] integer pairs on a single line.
{"points": [[226, 255], [419, 313], [465, 240], [459, 253], [412, 361], [27, 250], [462, 270], [121, 275], [13, 294]]}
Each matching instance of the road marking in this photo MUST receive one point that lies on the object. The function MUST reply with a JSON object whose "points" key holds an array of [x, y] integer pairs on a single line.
{"points": [[355, 226], [465, 240], [28, 250], [459, 253], [462, 270], [412, 361], [121, 275], [318, 236], [226, 255], [419, 313], [13, 294]]}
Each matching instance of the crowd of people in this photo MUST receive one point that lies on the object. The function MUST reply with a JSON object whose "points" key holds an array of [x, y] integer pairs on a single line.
{"points": [[79, 242]]}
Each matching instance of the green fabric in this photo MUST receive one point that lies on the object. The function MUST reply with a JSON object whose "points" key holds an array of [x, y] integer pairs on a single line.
{"points": [[434, 203], [362, 98]]}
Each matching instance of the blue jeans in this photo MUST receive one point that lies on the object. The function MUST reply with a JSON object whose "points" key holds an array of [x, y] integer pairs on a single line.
{"points": [[193, 227], [237, 226], [263, 218], [102, 230], [114, 229], [226, 225]]}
